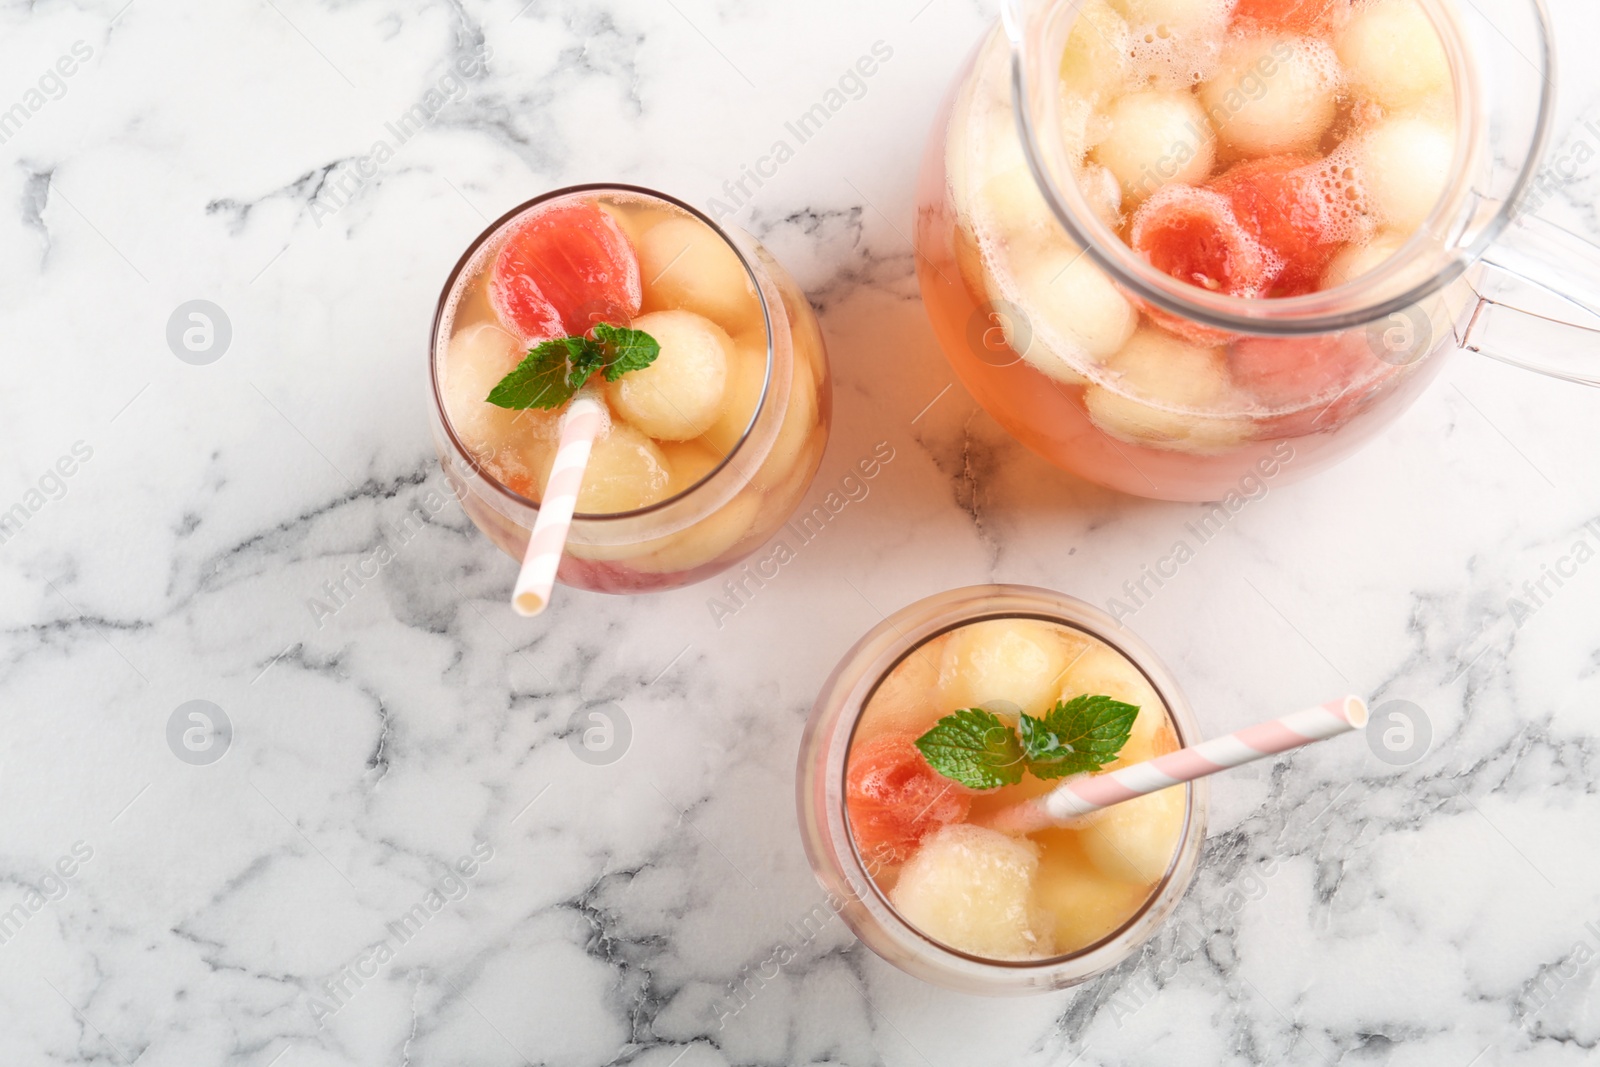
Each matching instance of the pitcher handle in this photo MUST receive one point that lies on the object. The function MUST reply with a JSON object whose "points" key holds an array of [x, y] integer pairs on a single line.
{"points": [[1558, 261]]}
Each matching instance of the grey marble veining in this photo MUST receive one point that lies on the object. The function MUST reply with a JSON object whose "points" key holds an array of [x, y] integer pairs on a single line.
{"points": [[400, 860]]}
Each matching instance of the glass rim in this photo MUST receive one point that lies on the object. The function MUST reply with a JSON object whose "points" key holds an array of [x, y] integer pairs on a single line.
{"points": [[942, 613], [1298, 315], [493, 230]]}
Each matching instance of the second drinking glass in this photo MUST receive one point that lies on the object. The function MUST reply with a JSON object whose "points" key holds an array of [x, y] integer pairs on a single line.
{"points": [[707, 451]]}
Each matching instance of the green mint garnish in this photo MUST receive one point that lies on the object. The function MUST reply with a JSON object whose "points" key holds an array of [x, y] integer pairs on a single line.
{"points": [[553, 371], [1076, 736], [631, 349], [975, 748]]}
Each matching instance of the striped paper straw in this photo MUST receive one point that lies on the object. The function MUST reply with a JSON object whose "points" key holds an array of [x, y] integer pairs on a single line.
{"points": [[579, 426], [1091, 792]]}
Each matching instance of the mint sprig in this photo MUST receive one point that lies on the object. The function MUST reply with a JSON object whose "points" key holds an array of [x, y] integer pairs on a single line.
{"points": [[978, 749], [975, 748], [553, 371], [1076, 736]]}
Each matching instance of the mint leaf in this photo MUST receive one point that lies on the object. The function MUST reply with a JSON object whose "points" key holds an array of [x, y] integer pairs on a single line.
{"points": [[554, 370], [584, 360], [541, 380], [975, 748], [1076, 736], [627, 350]]}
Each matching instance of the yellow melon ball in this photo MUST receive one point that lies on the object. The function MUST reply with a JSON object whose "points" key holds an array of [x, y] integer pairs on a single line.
{"points": [[1087, 905], [1164, 387], [1094, 63], [1104, 194], [1174, 16], [908, 699], [1010, 207], [973, 889], [1014, 661], [475, 361], [747, 374], [626, 471], [1154, 139], [1393, 55], [1072, 312], [1361, 258], [631, 218], [685, 266], [706, 540], [687, 463], [680, 394], [1405, 165], [1135, 841], [795, 434], [1273, 94]]}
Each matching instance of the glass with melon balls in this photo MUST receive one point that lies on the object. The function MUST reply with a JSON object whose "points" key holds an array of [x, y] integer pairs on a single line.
{"points": [[1172, 245], [907, 854], [705, 451]]}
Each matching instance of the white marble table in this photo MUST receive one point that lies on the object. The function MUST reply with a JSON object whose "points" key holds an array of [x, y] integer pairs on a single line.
{"points": [[398, 858]]}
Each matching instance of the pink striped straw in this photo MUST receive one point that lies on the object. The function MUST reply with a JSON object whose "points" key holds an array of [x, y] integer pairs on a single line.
{"points": [[579, 427], [1087, 793]]}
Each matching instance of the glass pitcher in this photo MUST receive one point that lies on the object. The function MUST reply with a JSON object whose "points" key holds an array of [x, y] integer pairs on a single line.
{"points": [[1122, 374]]}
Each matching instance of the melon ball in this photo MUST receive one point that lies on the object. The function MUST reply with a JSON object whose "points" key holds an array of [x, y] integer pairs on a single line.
{"points": [[1175, 16], [1019, 661], [1068, 301], [1355, 260], [686, 266], [1393, 55], [1154, 139], [1104, 194], [1166, 385], [1010, 207], [1101, 670], [747, 373], [1086, 904], [1094, 64], [908, 700], [626, 471], [1135, 841], [523, 465], [679, 395], [687, 463], [706, 540], [1273, 94], [475, 361], [632, 219], [1405, 166], [473, 307], [973, 889], [799, 425]]}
